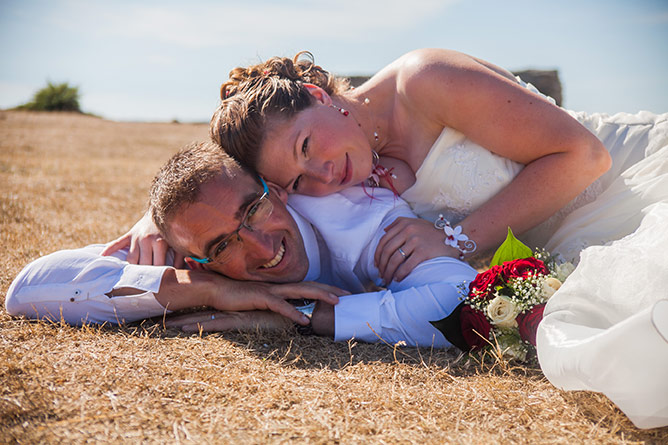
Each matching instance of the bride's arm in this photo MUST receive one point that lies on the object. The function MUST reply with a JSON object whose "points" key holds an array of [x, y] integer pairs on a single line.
{"points": [[145, 245], [484, 103]]}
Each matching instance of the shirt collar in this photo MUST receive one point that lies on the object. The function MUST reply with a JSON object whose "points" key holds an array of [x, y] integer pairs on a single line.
{"points": [[310, 245]]}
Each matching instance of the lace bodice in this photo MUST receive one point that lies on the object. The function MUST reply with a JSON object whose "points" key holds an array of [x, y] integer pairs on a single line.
{"points": [[456, 177]]}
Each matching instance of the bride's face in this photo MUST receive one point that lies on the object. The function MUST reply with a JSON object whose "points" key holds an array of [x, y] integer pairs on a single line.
{"points": [[317, 152]]}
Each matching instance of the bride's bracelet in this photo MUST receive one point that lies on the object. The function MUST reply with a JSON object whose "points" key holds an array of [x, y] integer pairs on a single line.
{"points": [[455, 236]]}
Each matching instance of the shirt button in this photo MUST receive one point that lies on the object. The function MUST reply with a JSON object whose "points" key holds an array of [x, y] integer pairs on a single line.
{"points": [[76, 293]]}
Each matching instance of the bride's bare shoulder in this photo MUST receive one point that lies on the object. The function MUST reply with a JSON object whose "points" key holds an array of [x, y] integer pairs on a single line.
{"points": [[417, 71], [434, 65], [424, 60], [415, 61], [436, 81]]}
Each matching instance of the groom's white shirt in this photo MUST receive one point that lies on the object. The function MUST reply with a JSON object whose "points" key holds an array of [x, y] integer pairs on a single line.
{"points": [[340, 233]]}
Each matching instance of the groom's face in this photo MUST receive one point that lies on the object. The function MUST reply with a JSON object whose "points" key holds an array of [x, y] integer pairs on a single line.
{"points": [[271, 250]]}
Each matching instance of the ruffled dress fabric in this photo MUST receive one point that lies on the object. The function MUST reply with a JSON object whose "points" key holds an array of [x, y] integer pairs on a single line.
{"points": [[595, 335], [606, 329]]}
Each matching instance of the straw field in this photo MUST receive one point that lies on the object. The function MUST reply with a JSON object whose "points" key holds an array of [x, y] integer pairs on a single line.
{"points": [[67, 180]]}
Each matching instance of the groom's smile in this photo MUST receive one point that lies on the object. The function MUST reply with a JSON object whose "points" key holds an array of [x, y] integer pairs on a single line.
{"points": [[271, 250]]}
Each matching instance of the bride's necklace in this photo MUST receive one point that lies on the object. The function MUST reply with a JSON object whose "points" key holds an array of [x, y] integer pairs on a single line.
{"points": [[378, 172]]}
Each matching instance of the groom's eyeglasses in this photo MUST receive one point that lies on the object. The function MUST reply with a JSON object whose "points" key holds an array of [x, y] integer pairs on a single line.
{"points": [[256, 213]]}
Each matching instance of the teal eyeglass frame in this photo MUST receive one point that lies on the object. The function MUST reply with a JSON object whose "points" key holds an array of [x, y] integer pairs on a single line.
{"points": [[243, 224]]}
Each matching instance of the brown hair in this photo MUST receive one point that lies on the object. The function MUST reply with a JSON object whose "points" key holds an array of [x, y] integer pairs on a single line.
{"points": [[252, 94], [180, 180]]}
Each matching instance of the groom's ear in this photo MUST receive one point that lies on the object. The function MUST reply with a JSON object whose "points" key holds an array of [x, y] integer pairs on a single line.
{"points": [[320, 94], [279, 191]]}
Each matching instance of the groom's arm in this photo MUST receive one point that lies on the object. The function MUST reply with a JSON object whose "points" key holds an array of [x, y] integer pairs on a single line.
{"points": [[322, 321], [351, 225], [403, 310], [80, 286], [76, 286], [400, 313]]}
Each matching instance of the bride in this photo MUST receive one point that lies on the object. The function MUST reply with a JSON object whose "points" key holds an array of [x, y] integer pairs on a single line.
{"points": [[459, 137]]}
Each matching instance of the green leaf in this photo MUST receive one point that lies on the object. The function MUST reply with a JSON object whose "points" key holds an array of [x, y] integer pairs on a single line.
{"points": [[511, 249]]}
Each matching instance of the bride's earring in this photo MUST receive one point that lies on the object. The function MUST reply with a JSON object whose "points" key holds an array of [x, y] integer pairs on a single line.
{"points": [[378, 172]]}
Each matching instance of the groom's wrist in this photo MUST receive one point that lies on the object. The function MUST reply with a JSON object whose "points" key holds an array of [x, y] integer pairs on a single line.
{"points": [[182, 289], [322, 319]]}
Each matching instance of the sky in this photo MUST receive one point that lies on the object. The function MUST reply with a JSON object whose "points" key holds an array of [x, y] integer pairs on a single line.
{"points": [[165, 60]]}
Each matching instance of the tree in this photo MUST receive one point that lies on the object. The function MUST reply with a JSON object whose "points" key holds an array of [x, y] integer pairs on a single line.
{"points": [[55, 97]]}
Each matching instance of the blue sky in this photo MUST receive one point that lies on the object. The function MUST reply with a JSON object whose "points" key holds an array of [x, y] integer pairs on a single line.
{"points": [[164, 60]]}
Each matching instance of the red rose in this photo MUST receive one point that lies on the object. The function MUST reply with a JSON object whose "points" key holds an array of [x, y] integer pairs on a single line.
{"points": [[485, 282], [474, 320], [528, 323], [522, 267]]}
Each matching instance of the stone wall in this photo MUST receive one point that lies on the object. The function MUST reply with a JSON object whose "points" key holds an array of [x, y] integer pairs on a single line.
{"points": [[547, 82]]}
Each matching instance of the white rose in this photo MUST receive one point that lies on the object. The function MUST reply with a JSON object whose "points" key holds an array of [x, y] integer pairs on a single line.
{"points": [[502, 312], [564, 270], [550, 286]]}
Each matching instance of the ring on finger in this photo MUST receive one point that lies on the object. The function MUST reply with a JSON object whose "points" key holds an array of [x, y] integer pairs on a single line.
{"points": [[403, 254]]}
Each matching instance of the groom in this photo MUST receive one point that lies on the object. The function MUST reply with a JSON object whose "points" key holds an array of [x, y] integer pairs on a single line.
{"points": [[227, 220]]}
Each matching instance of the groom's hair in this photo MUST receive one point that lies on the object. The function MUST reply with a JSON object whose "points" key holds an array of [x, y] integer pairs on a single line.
{"points": [[180, 180]]}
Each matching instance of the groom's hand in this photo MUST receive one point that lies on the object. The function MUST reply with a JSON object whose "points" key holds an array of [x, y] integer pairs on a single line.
{"points": [[249, 295], [208, 321], [183, 289]]}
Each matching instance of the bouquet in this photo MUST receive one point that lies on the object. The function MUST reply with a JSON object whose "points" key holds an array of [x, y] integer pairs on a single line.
{"points": [[504, 304]]}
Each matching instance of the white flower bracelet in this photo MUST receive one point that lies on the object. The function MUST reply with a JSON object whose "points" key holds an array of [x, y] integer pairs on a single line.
{"points": [[455, 236]]}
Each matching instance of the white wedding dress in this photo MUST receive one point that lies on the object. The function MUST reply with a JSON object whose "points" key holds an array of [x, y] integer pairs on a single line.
{"points": [[606, 329]]}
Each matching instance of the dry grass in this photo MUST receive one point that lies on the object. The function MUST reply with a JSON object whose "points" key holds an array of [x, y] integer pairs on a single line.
{"points": [[70, 180]]}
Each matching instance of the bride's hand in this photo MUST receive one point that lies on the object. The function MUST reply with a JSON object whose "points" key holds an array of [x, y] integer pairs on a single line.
{"points": [[418, 240], [146, 245]]}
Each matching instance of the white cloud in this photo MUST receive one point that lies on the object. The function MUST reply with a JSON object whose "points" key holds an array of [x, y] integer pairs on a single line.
{"points": [[202, 24]]}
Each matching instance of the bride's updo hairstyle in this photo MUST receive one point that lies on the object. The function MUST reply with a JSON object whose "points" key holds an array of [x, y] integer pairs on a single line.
{"points": [[254, 94]]}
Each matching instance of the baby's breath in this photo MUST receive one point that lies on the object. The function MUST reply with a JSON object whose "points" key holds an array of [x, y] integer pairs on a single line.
{"points": [[527, 292]]}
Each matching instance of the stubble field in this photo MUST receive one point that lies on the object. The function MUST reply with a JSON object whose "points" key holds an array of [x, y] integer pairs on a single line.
{"points": [[68, 180]]}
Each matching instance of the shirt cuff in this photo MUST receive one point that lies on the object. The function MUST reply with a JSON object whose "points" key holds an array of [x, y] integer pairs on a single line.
{"points": [[358, 316], [394, 317], [146, 278]]}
